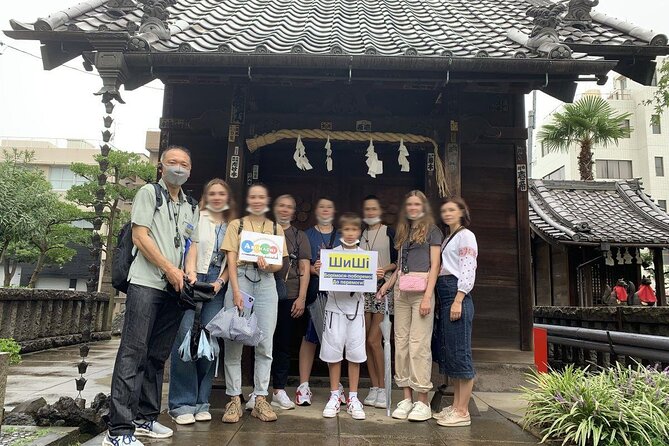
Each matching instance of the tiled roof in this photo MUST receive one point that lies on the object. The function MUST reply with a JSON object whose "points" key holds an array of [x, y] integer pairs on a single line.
{"points": [[615, 212], [461, 28]]}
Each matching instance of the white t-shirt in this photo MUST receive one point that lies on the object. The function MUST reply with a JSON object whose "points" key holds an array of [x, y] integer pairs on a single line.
{"points": [[459, 259], [342, 301]]}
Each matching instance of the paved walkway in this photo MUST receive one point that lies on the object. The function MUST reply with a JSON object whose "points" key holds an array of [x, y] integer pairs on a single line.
{"points": [[51, 375]]}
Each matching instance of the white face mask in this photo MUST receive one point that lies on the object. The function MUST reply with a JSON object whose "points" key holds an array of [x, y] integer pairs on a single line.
{"points": [[282, 221], [372, 221], [257, 213], [350, 245], [417, 217], [324, 221], [209, 207]]}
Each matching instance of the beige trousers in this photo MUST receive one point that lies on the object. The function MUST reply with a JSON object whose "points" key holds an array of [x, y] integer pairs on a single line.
{"points": [[413, 339]]}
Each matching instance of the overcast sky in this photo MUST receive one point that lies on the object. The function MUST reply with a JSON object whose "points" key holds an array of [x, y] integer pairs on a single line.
{"points": [[61, 104]]}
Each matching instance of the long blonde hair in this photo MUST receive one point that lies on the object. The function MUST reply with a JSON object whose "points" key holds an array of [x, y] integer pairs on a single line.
{"points": [[229, 214], [421, 227]]}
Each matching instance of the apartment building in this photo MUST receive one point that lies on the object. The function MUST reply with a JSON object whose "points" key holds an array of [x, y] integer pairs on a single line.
{"points": [[644, 155]]}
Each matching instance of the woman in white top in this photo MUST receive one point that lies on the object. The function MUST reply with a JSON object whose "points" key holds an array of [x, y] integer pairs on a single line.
{"points": [[190, 382], [454, 327], [380, 238]]}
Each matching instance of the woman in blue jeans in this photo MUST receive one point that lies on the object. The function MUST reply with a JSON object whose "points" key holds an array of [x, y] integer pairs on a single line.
{"points": [[256, 279], [456, 310], [190, 382]]}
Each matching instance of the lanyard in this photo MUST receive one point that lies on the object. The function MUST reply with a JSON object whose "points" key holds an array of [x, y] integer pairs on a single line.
{"points": [[218, 228], [370, 248]]}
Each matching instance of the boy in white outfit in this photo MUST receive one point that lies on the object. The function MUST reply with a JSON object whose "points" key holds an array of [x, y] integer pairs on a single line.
{"points": [[345, 330]]}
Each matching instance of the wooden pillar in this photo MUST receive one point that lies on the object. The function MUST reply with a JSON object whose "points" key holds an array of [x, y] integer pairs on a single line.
{"points": [[235, 173], [452, 159], [523, 219], [168, 113], [660, 291]]}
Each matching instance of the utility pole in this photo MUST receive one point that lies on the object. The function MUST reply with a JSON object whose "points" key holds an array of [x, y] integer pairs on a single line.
{"points": [[531, 125]]}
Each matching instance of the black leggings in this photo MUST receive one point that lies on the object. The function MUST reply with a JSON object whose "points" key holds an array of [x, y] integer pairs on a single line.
{"points": [[282, 338]]}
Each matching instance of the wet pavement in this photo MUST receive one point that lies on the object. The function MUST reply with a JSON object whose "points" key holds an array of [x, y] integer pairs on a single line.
{"points": [[51, 374]]}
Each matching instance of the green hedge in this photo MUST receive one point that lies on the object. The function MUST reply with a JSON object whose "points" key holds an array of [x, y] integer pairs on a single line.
{"points": [[614, 407], [13, 348]]}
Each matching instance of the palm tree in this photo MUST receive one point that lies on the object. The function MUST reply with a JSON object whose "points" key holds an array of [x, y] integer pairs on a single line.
{"points": [[590, 121]]}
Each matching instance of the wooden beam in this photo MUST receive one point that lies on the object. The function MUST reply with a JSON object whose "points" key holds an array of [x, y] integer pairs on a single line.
{"points": [[523, 220], [660, 291]]}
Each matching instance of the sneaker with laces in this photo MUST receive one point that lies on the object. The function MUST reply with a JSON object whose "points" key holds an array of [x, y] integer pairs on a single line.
{"points": [[233, 410], [355, 409], [121, 440], [184, 419], [151, 429], [381, 399], [203, 416], [454, 419], [342, 395], [370, 399], [403, 409], [262, 410], [282, 401], [251, 403], [303, 395], [332, 407], [446, 411], [420, 412]]}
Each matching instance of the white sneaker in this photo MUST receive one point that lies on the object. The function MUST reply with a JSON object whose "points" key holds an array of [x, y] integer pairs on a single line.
{"points": [[342, 395], [403, 409], [332, 407], [121, 440], [184, 419], [282, 401], [303, 395], [203, 416], [446, 411], [251, 403], [355, 409], [151, 429], [420, 412], [370, 399], [454, 419], [381, 399]]}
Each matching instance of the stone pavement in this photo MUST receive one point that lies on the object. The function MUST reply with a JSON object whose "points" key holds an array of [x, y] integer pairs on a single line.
{"points": [[51, 375]]}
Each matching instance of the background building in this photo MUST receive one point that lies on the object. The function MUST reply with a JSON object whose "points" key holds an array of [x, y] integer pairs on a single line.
{"points": [[54, 157], [644, 155]]}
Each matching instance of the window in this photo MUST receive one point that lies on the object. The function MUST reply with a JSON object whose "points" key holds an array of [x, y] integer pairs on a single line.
{"points": [[626, 125], [544, 149], [656, 124], [614, 169], [558, 174], [623, 83], [73, 284], [62, 178], [659, 166], [662, 204]]}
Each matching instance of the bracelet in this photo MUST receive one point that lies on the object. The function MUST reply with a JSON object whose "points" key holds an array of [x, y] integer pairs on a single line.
{"points": [[221, 281]]}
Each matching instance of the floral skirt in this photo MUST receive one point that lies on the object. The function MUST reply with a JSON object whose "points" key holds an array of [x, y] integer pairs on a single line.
{"points": [[372, 305]]}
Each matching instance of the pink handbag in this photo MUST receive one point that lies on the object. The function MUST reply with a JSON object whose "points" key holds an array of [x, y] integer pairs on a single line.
{"points": [[413, 282]]}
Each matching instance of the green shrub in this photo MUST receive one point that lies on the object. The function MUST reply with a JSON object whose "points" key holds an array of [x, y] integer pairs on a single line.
{"points": [[13, 348], [614, 407]]}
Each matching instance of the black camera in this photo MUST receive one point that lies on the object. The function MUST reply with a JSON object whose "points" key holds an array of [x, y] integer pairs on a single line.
{"points": [[292, 256], [217, 259]]}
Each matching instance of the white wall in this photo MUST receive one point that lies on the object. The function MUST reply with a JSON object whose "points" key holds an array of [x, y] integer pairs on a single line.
{"points": [[16, 280]]}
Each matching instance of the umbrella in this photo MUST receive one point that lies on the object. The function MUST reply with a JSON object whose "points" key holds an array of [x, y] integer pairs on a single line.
{"points": [[387, 354], [317, 313]]}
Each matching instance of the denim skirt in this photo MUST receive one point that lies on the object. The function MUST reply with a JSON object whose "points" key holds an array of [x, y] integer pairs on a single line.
{"points": [[452, 340]]}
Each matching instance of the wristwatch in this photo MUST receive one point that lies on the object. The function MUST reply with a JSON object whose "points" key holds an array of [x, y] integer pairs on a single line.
{"points": [[221, 281]]}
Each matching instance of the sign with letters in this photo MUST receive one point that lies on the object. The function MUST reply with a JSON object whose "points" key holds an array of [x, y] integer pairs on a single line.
{"points": [[348, 270], [254, 244]]}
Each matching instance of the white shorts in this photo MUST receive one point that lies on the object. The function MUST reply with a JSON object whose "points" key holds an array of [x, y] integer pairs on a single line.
{"points": [[341, 333]]}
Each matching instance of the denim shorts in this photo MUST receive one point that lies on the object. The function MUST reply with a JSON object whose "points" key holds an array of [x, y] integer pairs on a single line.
{"points": [[452, 340]]}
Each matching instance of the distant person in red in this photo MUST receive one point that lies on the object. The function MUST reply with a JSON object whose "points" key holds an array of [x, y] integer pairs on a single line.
{"points": [[646, 293]]}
